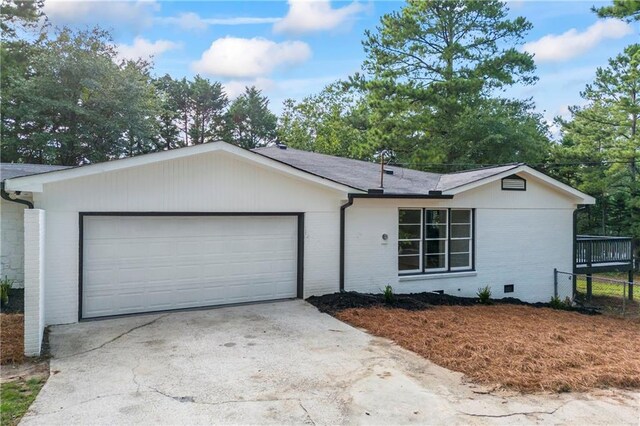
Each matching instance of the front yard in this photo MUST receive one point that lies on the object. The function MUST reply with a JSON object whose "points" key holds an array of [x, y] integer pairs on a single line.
{"points": [[509, 346], [20, 381], [16, 397], [11, 337]]}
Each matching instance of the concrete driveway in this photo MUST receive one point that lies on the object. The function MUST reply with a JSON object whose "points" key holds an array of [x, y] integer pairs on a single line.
{"points": [[280, 362]]}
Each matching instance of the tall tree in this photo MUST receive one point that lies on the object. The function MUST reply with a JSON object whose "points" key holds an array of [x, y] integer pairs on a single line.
{"points": [[249, 122], [335, 121], [17, 15], [434, 62], [74, 104], [605, 135], [628, 10], [208, 102], [169, 115]]}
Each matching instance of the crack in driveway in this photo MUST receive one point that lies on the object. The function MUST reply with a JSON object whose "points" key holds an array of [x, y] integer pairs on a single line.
{"points": [[519, 413], [115, 338]]}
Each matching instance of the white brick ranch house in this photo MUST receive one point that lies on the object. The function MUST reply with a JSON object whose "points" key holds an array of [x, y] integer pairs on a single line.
{"points": [[215, 224]]}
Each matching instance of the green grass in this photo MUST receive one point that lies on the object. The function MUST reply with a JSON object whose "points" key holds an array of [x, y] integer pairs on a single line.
{"points": [[601, 288], [16, 397]]}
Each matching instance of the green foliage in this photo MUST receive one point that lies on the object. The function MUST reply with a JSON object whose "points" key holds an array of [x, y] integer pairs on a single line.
{"points": [[484, 295], [19, 15], [208, 102], [335, 122], [249, 122], [75, 104], [628, 10], [604, 134], [427, 94], [557, 303], [432, 69], [5, 285], [173, 96], [16, 397], [68, 99], [388, 295]]}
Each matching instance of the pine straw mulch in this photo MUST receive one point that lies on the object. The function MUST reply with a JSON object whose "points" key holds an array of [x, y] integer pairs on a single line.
{"points": [[515, 347], [11, 338]]}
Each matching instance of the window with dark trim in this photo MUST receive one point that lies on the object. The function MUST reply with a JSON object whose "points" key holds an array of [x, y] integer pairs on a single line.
{"points": [[435, 240]]}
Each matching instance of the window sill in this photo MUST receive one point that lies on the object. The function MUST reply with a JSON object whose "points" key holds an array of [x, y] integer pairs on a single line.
{"points": [[436, 275]]}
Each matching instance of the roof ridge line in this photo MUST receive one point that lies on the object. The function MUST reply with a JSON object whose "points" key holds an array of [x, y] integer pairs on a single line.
{"points": [[486, 168]]}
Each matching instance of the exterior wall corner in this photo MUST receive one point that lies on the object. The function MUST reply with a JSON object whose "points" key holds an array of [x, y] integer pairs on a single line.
{"points": [[34, 257]]}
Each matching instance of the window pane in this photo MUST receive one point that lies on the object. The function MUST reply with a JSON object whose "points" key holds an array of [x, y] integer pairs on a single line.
{"points": [[460, 246], [434, 261], [410, 216], [408, 232], [436, 216], [460, 231], [460, 216], [409, 247], [460, 260], [436, 231], [436, 246], [407, 263]]}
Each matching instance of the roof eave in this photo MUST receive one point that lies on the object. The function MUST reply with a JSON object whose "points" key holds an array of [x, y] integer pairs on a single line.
{"points": [[580, 197], [404, 196], [35, 183]]}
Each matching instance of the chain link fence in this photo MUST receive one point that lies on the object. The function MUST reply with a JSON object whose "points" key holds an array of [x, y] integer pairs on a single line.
{"points": [[607, 294]]}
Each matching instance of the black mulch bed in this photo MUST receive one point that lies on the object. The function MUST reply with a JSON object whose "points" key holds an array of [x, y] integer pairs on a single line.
{"points": [[336, 302], [16, 302]]}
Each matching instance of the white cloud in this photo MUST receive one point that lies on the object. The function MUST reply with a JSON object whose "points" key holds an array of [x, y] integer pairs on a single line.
{"points": [[307, 16], [145, 49], [193, 21], [244, 58], [136, 14], [557, 48]]}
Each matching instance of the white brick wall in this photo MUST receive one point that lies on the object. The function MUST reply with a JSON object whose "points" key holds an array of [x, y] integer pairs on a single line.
{"points": [[520, 237], [212, 182], [11, 242], [34, 239]]}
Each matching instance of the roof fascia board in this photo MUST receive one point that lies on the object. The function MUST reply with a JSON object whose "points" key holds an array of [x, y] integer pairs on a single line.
{"points": [[35, 183], [581, 196], [405, 196]]}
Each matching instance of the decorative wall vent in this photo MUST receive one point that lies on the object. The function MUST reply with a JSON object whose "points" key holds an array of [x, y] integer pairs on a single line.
{"points": [[514, 183]]}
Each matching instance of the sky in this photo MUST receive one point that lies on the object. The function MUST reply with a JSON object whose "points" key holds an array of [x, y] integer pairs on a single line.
{"points": [[291, 49]]}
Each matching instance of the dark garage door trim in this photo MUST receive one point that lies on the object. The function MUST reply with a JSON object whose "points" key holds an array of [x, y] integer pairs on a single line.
{"points": [[81, 216]]}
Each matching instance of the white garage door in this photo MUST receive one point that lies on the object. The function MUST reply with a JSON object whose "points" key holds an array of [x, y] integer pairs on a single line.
{"points": [[135, 264]]}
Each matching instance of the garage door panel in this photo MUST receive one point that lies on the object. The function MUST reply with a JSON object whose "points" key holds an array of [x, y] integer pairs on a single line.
{"points": [[135, 264]]}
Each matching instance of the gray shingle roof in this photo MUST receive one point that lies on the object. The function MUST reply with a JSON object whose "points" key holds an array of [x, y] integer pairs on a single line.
{"points": [[360, 175], [12, 170], [454, 180], [364, 175]]}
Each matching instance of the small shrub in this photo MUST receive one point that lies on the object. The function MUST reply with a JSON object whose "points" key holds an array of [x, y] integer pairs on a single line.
{"points": [[387, 293], [5, 285], [484, 294], [557, 303]]}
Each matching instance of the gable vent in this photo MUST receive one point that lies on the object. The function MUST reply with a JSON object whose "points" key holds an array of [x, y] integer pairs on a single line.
{"points": [[514, 183]]}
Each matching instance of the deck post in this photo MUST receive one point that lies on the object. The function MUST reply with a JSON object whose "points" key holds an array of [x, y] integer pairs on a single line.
{"points": [[589, 276], [630, 284]]}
